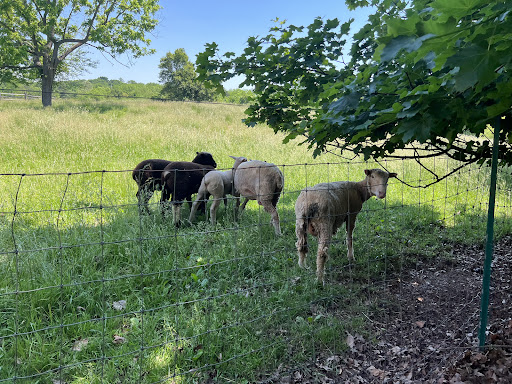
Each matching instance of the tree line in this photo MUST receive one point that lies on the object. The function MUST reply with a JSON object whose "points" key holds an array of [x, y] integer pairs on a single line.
{"points": [[102, 87]]}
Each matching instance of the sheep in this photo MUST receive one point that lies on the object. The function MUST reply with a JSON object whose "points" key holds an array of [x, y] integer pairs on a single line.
{"points": [[180, 180], [263, 182], [320, 210], [148, 176], [218, 184]]}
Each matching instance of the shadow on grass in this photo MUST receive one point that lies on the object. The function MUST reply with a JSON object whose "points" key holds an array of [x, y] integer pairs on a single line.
{"points": [[116, 294]]}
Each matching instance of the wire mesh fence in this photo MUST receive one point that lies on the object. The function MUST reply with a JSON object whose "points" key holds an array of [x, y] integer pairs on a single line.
{"points": [[91, 291]]}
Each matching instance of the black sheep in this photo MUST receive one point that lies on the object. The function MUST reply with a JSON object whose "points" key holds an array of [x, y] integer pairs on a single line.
{"points": [[180, 180], [148, 176]]}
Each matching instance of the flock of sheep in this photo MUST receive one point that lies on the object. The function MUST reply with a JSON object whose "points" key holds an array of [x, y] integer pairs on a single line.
{"points": [[319, 210]]}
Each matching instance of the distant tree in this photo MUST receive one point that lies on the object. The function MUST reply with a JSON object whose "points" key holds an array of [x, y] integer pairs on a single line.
{"points": [[36, 37], [179, 78], [236, 96]]}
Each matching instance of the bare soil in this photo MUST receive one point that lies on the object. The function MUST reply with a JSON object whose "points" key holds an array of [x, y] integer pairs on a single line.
{"points": [[427, 328]]}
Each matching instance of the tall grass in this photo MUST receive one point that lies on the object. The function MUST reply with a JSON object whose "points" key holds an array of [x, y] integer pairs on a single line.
{"points": [[225, 302]]}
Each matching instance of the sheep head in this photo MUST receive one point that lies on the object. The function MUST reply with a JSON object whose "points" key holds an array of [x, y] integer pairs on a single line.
{"points": [[238, 161], [204, 158], [377, 182]]}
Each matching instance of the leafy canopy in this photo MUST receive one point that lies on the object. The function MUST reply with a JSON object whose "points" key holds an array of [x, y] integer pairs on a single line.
{"points": [[422, 75], [36, 37]]}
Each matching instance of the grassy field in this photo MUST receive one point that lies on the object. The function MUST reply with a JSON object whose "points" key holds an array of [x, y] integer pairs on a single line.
{"points": [[92, 292]]}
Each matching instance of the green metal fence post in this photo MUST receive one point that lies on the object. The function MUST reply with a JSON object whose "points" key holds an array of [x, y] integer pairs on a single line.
{"points": [[489, 246]]}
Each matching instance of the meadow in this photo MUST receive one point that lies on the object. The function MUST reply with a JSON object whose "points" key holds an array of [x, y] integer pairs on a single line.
{"points": [[90, 291]]}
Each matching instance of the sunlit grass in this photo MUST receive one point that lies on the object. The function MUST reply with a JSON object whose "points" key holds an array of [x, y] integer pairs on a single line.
{"points": [[228, 300]]}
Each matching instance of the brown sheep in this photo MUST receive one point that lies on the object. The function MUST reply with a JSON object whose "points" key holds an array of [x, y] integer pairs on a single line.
{"points": [[263, 182], [320, 210]]}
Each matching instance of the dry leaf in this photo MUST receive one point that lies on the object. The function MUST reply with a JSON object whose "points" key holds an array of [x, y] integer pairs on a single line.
{"points": [[396, 350], [420, 324], [78, 345], [350, 341], [420, 299], [119, 339], [375, 372], [119, 305]]}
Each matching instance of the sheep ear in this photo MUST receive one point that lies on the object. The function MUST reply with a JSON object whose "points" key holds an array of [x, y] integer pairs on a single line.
{"points": [[367, 172], [197, 153], [233, 157], [392, 174]]}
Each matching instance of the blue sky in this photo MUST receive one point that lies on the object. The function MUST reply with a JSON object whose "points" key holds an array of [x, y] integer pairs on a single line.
{"points": [[192, 24]]}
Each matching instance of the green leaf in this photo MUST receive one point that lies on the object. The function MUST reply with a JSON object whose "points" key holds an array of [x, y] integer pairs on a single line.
{"points": [[476, 64], [400, 27], [408, 43], [456, 8], [415, 129]]}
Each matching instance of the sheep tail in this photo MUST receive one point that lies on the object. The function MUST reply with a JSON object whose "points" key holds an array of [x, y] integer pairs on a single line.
{"points": [[278, 189], [311, 212]]}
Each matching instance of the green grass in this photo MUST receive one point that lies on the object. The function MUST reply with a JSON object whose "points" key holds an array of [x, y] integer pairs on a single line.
{"points": [[227, 301]]}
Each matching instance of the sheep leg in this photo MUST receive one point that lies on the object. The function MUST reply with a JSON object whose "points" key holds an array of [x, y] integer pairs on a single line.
{"points": [[176, 214], [302, 241], [236, 206], [269, 207], [144, 194], [244, 204], [351, 223], [164, 199], [324, 239], [239, 209], [213, 210], [193, 210]]}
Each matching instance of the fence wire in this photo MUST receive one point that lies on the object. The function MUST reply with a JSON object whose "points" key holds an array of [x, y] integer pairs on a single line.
{"points": [[91, 291]]}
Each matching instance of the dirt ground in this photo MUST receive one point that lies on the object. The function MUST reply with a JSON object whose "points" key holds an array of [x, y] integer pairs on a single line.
{"points": [[428, 332]]}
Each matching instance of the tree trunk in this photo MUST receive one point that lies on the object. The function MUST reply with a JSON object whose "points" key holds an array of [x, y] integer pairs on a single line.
{"points": [[47, 85]]}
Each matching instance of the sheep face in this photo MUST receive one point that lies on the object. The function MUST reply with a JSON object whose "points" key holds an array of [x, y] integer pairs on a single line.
{"points": [[238, 161], [377, 182], [205, 158]]}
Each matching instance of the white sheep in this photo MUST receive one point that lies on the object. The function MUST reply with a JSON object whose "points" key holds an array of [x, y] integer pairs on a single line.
{"points": [[320, 210], [263, 182], [218, 184]]}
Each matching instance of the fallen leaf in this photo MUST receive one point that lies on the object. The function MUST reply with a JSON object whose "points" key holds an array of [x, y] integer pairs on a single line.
{"points": [[396, 350], [420, 299], [78, 345], [350, 341], [420, 323], [119, 339], [375, 372], [119, 305]]}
